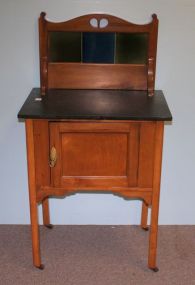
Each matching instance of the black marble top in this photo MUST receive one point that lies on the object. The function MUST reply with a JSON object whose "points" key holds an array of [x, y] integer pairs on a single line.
{"points": [[95, 104]]}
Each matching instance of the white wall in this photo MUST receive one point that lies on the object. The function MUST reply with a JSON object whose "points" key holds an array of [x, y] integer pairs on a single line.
{"points": [[19, 72]]}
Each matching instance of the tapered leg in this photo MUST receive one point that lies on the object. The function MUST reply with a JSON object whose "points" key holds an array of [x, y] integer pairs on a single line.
{"points": [[32, 195], [155, 196], [46, 216], [153, 237], [144, 217], [35, 235]]}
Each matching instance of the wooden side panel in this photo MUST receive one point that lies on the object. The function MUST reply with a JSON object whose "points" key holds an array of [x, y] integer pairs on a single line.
{"points": [[146, 154], [97, 76], [133, 154], [41, 149], [94, 154]]}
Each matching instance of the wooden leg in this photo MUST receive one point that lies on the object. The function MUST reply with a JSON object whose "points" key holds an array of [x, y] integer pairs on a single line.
{"points": [[144, 217], [153, 238], [32, 195], [35, 235], [46, 216], [155, 197]]}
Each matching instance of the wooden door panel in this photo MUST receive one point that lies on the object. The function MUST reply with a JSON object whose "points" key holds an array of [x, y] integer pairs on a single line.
{"points": [[94, 154]]}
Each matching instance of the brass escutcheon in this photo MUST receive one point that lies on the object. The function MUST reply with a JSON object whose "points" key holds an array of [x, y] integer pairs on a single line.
{"points": [[53, 157]]}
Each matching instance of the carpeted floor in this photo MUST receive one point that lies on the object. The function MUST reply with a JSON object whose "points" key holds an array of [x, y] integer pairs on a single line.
{"points": [[97, 255]]}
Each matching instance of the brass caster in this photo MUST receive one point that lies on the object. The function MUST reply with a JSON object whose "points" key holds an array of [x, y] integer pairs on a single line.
{"points": [[41, 267], [49, 226], [146, 229], [155, 269]]}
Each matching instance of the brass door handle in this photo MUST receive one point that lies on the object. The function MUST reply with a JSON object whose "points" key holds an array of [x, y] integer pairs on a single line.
{"points": [[53, 157]]}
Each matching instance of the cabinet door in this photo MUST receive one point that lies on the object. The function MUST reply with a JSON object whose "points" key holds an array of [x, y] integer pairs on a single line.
{"points": [[93, 154]]}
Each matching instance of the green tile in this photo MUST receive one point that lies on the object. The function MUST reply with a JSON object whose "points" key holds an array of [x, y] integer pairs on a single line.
{"points": [[64, 46], [131, 48]]}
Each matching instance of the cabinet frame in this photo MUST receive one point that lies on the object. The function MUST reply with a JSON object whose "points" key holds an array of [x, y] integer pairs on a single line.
{"points": [[40, 186]]}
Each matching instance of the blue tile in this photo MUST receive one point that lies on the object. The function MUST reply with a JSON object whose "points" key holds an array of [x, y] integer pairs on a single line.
{"points": [[98, 47]]}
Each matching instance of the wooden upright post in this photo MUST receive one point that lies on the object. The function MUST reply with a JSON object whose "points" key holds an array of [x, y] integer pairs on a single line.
{"points": [[155, 196], [32, 194]]}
